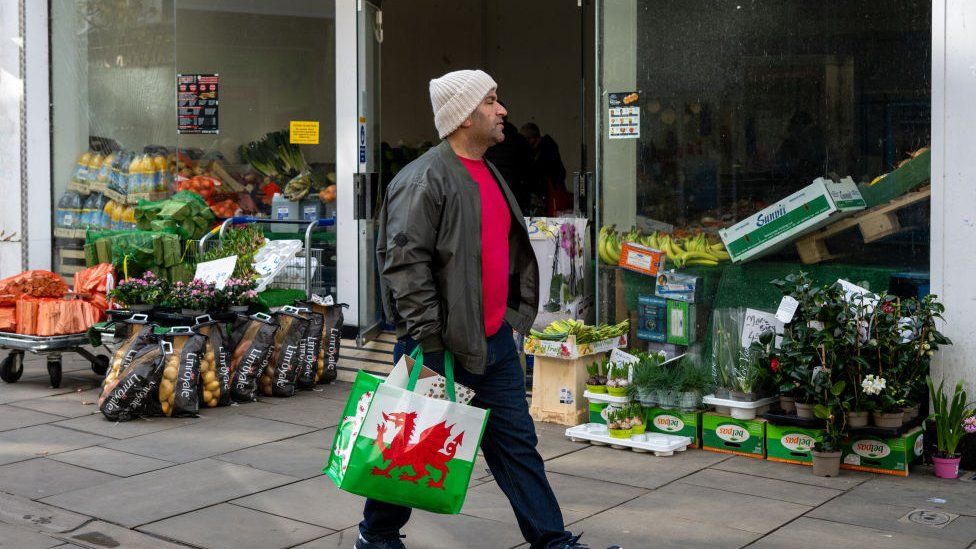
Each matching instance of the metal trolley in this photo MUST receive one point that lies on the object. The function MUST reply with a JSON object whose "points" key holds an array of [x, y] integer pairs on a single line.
{"points": [[53, 347], [312, 270]]}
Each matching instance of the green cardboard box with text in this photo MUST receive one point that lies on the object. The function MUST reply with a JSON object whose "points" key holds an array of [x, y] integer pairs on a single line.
{"points": [[675, 422], [734, 436], [889, 456], [791, 444]]}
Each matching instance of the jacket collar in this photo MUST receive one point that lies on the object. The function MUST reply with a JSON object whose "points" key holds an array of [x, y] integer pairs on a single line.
{"points": [[454, 165]]}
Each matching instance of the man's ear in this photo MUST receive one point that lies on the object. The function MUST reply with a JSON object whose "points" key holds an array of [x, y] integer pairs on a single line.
{"points": [[467, 122]]}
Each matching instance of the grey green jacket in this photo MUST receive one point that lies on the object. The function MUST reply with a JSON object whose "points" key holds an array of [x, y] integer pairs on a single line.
{"points": [[429, 255]]}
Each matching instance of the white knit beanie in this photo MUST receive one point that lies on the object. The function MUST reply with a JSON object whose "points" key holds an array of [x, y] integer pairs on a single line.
{"points": [[455, 96]]}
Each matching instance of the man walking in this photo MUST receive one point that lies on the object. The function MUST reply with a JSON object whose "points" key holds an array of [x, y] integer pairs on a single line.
{"points": [[458, 273]]}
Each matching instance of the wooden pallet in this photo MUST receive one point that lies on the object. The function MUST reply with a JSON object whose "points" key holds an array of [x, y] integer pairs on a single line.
{"points": [[874, 224]]}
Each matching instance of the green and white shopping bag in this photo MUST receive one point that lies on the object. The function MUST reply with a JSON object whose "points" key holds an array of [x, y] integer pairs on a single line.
{"points": [[401, 447]]}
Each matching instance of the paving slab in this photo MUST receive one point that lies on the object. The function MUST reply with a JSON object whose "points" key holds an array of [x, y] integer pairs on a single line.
{"points": [[315, 501], [918, 489], [42, 477], [553, 442], [791, 472], [631, 528], [206, 438], [71, 403], [228, 526], [110, 461], [754, 514], [433, 531], [27, 389], [101, 535], [883, 514], [588, 496], [168, 492], [632, 468], [17, 537], [311, 412], [337, 390], [13, 417], [810, 533], [286, 457], [42, 440], [488, 501], [794, 492], [321, 438], [33, 515], [99, 425]]}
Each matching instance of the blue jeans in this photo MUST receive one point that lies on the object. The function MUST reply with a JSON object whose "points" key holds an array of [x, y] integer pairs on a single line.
{"points": [[508, 444]]}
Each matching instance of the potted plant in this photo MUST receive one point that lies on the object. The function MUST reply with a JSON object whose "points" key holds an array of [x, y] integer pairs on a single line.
{"points": [[140, 294], [618, 424], [667, 387], [644, 379], [636, 419], [694, 382], [618, 383], [726, 351], [596, 382], [193, 298], [237, 295], [952, 421], [826, 453]]}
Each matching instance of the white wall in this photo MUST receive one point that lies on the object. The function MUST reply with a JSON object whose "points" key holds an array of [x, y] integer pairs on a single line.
{"points": [[11, 92], [953, 257]]}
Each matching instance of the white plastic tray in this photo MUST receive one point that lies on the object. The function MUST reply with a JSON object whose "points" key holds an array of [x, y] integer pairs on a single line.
{"points": [[748, 405], [660, 444], [604, 397]]}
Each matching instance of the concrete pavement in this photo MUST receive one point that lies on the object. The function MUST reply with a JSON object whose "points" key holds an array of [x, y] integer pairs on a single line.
{"points": [[250, 476]]}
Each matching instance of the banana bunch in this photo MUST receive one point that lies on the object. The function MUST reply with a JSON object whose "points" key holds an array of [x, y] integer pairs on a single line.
{"points": [[560, 330], [693, 250]]}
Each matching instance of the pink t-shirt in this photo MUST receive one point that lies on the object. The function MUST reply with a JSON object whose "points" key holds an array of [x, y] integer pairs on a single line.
{"points": [[496, 221]]}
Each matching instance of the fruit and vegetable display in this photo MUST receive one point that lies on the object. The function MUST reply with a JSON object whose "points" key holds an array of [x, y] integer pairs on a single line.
{"points": [[682, 248], [560, 330]]}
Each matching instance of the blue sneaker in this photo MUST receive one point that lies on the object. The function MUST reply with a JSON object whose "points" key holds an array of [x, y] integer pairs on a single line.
{"points": [[390, 543]]}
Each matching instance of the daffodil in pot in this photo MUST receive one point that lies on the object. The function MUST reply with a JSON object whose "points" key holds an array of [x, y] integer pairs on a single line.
{"points": [[827, 452], [953, 419]]}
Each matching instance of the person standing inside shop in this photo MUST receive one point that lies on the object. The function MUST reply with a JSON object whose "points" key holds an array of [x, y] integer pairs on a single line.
{"points": [[513, 159], [458, 273], [547, 174]]}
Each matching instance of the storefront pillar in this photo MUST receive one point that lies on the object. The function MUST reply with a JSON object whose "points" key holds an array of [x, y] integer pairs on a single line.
{"points": [[953, 256], [347, 230]]}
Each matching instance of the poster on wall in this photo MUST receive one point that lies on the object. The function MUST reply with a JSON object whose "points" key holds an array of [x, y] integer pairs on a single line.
{"points": [[559, 244], [624, 115], [196, 103]]}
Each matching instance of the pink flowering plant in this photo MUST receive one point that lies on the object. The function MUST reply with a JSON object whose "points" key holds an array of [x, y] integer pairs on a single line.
{"points": [[237, 292], [953, 417], [196, 295], [149, 289]]}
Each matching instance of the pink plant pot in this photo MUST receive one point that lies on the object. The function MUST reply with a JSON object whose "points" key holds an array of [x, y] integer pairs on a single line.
{"points": [[946, 467]]}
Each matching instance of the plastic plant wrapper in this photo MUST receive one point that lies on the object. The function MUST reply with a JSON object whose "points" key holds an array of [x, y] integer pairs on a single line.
{"points": [[214, 366], [128, 396], [331, 339], [272, 257], [253, 337], [281, 375], [178, 390], [397, 446], [726, 345], [313, 347]]}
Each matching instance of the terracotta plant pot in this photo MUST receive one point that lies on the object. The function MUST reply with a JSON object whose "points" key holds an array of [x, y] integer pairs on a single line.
{"points": [[787, 404], [888, 420], [826, 464], [946, 467], [804, 410], [856, 419]]}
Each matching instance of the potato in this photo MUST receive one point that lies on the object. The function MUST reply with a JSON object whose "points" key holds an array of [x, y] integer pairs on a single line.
{"points": [[170, 373], [209, 377], [166, 408], [165, 386], [213, 386], [207, 395], [209, 356], [212, 403]]}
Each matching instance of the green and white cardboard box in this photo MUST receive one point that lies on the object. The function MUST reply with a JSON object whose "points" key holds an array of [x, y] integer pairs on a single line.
{"points": [[810, 208], [791, 444], [734, 436], [674, 422], [890, 456]]}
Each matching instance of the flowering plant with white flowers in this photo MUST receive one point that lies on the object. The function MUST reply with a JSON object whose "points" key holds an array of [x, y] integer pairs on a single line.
{"points": [[872, 385]]}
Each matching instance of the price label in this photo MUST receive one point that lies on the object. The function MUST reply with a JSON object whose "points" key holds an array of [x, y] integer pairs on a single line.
{"points": [[756, 323], [217, 271], [786, 310]]}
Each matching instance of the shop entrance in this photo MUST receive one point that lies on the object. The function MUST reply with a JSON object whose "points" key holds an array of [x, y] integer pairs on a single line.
{"points": [[539, 53]]}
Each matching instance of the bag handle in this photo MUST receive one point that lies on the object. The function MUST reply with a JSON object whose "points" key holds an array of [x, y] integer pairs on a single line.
{"points": [[418, 357]]}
